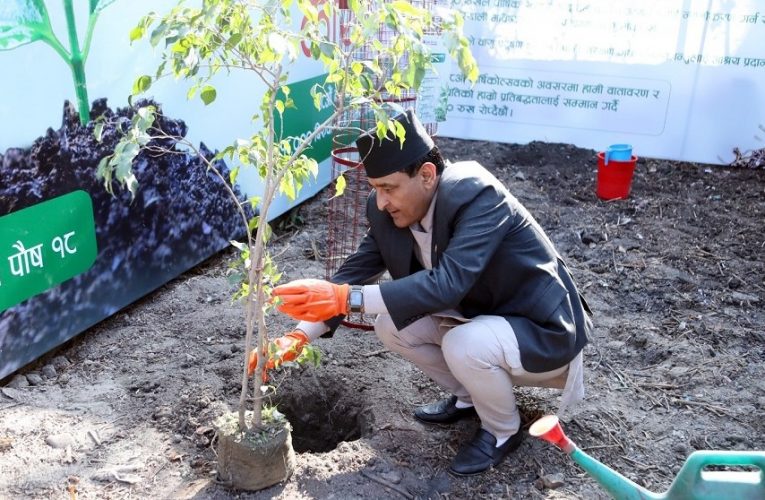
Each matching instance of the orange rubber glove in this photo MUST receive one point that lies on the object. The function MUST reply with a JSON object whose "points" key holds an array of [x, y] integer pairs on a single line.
{"points": [[312, 300], [281, 350]]}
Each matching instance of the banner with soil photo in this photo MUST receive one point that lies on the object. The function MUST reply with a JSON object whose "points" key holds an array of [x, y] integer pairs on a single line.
{"points": [[70, 253]]}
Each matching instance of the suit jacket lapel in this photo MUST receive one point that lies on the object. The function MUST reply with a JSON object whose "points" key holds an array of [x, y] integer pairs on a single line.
{"points": [[400, 245], [440, 227]]}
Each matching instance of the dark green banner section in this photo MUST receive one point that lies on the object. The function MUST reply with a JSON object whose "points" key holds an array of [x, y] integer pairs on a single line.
{"points": [[44, 245], [301, 121]]}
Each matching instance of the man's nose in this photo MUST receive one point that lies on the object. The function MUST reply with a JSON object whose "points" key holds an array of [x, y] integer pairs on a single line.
{"points": [[382, 202]]}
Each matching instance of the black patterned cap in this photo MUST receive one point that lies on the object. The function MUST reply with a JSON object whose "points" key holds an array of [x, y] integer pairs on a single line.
{"points": [[381, 158]]}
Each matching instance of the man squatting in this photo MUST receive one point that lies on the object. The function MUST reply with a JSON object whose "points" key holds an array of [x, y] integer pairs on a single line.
{"points": [[479, 299]]}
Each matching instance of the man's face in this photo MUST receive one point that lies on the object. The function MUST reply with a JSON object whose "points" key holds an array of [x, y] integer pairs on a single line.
{"points": [[406, 198]]}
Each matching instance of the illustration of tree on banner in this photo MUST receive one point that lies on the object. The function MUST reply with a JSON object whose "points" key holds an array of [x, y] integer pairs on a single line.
{"points": [[258, 37], [27, 21]]}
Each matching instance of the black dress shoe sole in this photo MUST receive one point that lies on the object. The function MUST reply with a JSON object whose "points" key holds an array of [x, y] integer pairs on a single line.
{"points": [[463, 474]]}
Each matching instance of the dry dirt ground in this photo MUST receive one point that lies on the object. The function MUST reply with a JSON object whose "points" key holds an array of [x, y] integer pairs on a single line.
{"points": [[674, 274]]}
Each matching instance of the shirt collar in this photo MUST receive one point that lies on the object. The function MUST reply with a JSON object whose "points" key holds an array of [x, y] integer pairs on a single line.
{"points": [[426, 223]]}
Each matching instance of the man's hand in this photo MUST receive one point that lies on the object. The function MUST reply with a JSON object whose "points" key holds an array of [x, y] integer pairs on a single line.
{"points": [[312, 300], [281, 350]]}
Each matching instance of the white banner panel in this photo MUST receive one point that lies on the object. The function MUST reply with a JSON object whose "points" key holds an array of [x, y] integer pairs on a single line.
{"points": [[678, 79]]}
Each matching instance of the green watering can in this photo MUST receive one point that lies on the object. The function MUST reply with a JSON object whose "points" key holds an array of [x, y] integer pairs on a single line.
{"points": [[691, 483]]}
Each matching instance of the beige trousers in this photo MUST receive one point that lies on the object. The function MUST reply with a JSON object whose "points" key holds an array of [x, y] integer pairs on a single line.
{"points": [[477, 360]]}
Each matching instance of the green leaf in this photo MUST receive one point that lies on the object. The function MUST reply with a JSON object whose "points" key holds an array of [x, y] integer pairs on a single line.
{"points": [[160, 70], [400, 131], [334, 77], [405, 7], [340, 185], [419, 75], [98, 131], [136, 33], [131, 183], [238, 245], [255, 202], [23, 22], [99, 5], [315, 50], [140, 29], [233, 175], [233, 40], [235, 278], [145, 117], [267, 232], [358, 101], [316, 95], [103, 171], [310, 354], [468, 64], [287, 187], [208, 94], [309, 11], [328, 49], [141, 84], [366, 82]]}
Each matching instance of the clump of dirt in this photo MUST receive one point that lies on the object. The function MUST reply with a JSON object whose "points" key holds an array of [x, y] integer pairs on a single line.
{"points": [[674, 275]]}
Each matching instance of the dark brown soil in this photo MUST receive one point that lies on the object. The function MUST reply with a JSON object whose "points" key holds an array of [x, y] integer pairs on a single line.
{"points": [[674, 274]]}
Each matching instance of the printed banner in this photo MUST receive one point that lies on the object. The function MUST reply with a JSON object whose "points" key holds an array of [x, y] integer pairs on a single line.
{"points": [[557, 99], [431, 105], [44, 245], [682, 80], [70, 253]]}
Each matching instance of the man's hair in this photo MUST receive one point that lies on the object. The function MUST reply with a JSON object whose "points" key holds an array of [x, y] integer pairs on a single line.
{"points": [[433, 156]]}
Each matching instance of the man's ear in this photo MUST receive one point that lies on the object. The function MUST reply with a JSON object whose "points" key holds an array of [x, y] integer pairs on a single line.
{"points": [[428, 172]]}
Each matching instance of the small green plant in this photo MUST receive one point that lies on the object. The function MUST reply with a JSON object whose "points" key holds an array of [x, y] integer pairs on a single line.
{"points": [[26, 21], [260, 38]]}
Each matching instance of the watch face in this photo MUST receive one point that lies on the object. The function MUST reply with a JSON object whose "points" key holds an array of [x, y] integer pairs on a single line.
{"points": [[356, 300]]}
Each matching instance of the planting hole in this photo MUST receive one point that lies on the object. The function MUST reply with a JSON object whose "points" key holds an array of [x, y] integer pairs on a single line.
{"points": [[323, 412]]}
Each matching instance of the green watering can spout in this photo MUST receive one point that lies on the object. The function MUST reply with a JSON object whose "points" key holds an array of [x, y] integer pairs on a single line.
{"points": [[693, 482]]}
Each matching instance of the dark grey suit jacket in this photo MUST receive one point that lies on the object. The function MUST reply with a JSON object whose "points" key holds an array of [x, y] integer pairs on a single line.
{"points": [[489, 257]]}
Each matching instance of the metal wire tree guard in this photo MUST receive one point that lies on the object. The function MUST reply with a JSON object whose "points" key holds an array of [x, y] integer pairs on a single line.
{"points": [[347, 221]]}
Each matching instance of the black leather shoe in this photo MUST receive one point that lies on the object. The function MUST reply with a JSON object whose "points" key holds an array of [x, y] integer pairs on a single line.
{"points": [[481, 453], [443, 412]]}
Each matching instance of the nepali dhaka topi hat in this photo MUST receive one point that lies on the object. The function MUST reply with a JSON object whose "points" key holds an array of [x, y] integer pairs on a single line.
{"points": [[381, 158]]}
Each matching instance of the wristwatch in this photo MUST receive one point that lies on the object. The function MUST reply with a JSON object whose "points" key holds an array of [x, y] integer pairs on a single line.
{"points": [[356, 299]]}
